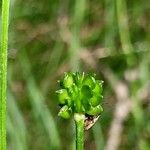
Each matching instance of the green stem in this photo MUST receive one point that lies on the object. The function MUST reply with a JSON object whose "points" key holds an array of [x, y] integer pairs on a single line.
{"points": [[3, 73], [79, 121]]}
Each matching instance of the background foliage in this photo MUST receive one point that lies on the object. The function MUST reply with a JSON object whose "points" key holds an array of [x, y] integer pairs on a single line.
{"points": [[108, 37]]}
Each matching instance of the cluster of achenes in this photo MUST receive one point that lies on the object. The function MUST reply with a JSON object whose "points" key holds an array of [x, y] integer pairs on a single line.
{"points": [[80, 93]]}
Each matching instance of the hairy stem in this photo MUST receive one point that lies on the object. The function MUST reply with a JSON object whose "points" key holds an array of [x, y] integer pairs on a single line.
{"points": [[3, 72], [79, 121]]}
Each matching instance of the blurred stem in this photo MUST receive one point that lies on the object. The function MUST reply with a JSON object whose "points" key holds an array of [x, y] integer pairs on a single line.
{"points": [[3, 73], [98, 136], [15, 124], [110, 21], [123, 26], [124, 31], [75, 46], [79, 121]]}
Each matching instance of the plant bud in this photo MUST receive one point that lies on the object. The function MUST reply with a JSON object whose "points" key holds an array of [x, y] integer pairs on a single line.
{"points": [[68, 80], [95, 110], [89, 81], [65, 112], [62, 96], [98, 88]]}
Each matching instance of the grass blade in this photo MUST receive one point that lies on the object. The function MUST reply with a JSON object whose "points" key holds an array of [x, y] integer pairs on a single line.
{"points": [[3, 73]]}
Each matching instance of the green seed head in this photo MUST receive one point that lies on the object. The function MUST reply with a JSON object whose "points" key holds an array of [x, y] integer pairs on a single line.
{"points": [[79, 93]]}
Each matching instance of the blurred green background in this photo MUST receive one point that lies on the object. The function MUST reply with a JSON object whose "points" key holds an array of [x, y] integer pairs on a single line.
{"points": [[110, 38]]}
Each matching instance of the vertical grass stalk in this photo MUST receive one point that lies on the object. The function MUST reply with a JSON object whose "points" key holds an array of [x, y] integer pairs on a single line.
{"points": [[110, 21], [124, 31], [3, 73], [123, 25]]}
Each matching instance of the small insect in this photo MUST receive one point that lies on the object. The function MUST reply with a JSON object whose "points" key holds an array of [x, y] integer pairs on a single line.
{"points": [[90, 121]]}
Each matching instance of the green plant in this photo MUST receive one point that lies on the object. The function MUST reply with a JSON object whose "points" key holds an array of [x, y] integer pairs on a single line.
{"points": [[3, 72], [80, 95]]}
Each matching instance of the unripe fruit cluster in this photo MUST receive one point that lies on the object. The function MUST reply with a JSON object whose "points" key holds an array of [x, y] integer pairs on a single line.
{"points": [[79, 93]]}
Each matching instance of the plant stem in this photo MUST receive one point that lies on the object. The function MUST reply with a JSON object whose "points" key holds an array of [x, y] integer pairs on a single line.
{"points": [[124, 31], [79, 121], [3, 73]]}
